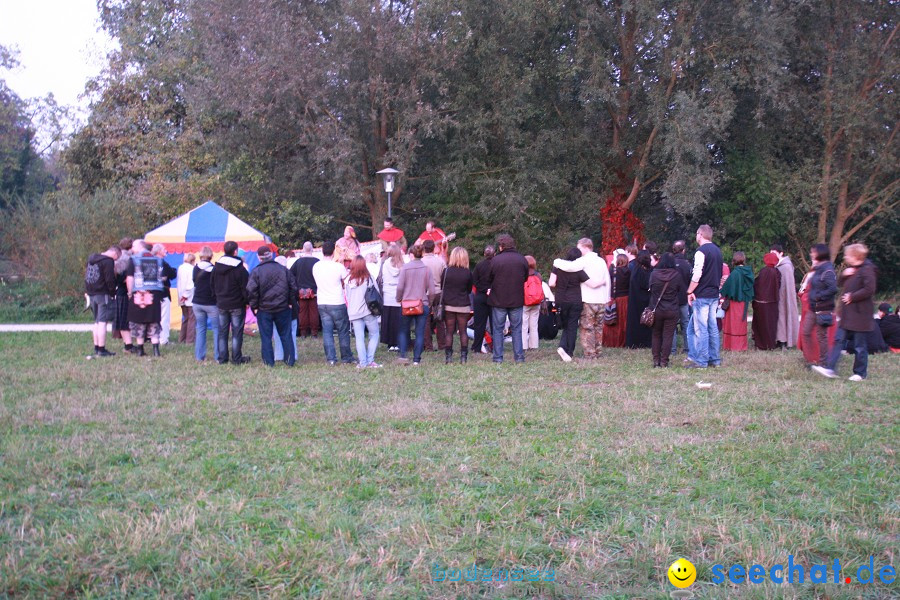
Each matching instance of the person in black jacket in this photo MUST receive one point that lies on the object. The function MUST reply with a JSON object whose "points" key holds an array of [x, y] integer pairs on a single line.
{"points": [[684, 267], [822, 287], [229, 283], [480, 305], [270, 289], [205, 305], [457, 285], [506, 281], [100, 287], [308, 318], [666, 289], [637, 335]]}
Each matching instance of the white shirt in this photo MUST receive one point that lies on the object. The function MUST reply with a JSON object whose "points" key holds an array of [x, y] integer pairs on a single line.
{"points": [[373, 270], [596, 269], [186, 283], [329, 277]]}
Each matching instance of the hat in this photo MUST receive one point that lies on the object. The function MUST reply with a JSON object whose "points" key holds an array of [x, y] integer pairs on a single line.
{"points": [[617, 252], [264, 253], [770, 259], [885, 308]]}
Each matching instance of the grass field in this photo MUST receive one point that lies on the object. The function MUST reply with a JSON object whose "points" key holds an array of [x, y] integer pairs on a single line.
{"points": [[157, 477]]}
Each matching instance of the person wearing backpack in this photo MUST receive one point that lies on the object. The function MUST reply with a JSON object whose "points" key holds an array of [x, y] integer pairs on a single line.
{"points": [[361, 317], [534, 296]]}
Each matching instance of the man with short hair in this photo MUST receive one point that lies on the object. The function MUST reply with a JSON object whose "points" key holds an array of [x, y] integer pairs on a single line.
{"points": [[506, 295], [229, 284], [100, 287], [436, 265], [185, 292], [391, 235], [329, 277], [308, 318], [703, 296], [480, 305], [594, 295], [271, 289], [683, 266], [788, 316], [165, 300]]}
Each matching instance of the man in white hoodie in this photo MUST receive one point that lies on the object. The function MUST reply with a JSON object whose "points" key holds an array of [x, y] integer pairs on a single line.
{"points": [[594, 295], [186, 299]]}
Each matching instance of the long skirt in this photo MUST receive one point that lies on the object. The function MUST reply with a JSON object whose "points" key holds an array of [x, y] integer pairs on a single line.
{"points": [[734, 328], [765, 325], [614, 337], [390, 326], [121, 323]]}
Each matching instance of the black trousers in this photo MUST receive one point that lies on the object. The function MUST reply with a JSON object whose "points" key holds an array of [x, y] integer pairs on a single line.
{"points": [[569, 315], [664, 323], [482, 317]]}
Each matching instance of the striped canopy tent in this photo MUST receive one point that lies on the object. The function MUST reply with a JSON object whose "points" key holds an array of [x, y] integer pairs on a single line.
{"points": [[207, 225]]}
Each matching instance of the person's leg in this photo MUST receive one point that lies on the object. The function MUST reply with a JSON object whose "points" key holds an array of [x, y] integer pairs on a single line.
{"points": [[282, 322], [822, 343], [835, 355], [374, 329], [480, 316], [420, 321], [165, 320], [277, 346], [461, 320], [440, 333], [265, 321], [182, 331], [667, 335], [429, 329], [200, 317], [359, 333], [303, 317], [449, 325], [586, 330], [498, 320], [656, 339], [515, 328], [342, 323], [237, 335], [154, 330], [807, 329], [700, 346], [403, 338], [715, 337], [861, 358], [327, 332], [575, 312], [222, 343], [294, 339]]}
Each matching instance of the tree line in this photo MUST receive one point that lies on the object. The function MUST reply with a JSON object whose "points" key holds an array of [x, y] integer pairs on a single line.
{"points": [[773, 120]]}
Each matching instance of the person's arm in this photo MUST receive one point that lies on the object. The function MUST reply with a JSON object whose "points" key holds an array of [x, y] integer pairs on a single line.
{"points": [[401, 284], [699, 259], [129, 284], [252, 292], [245, 278], [829, 282], [569, 266], [867, 290], [552, 281]]}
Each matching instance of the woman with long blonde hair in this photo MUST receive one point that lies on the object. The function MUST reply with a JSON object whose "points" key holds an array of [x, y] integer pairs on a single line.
{"points": [[457, 287]]}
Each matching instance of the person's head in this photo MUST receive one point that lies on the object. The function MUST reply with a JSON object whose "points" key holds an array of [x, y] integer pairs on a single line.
{"points": [[125, 243], [371, 258], [388, 223], [189, 258], [359, 273], [679, 247], [884, 309], [140, 246], [114, 252], [643, 259], [573, 253], [666, 261], [505, 242], [428, 246], [770, 260], [395, 255], [651, 247], [777, 250], [264, 253], [489, 251], [704, 234], [855, 254], [459, 257], [819, 253], [159, 250], [429, 226], [307, 248], [349, 232], [738, 259], [416, 251], [621, 260], [230, 248], [532, 264], [328, 249], [631, 250], [205, 254], [585, 245]]}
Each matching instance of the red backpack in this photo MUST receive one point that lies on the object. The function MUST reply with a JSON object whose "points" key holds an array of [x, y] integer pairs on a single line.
{"points": [[534, 291]]}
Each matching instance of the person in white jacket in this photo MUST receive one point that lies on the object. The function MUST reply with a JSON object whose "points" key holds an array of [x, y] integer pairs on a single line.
{"points": [[594, 295], [186, 299]]}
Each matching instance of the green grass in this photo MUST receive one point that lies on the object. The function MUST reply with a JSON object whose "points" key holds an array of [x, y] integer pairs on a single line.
{"points": [[26, 300], [157, 477]]}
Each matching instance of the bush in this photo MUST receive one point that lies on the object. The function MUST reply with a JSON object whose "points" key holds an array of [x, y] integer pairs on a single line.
{"points": [[54, 236]]}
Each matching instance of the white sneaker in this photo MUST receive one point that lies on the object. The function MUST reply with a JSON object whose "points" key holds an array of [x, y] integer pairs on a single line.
{"points": [[823, 371], [563, 355], [855, 377]]}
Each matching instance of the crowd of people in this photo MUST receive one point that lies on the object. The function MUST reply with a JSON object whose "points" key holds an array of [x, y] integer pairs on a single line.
{"points": [[422, 297]]}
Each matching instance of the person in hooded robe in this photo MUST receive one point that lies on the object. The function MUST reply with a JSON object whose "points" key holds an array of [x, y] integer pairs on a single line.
{"points": [[788, 315], [738, 294], [765, 304], [347, 247]]}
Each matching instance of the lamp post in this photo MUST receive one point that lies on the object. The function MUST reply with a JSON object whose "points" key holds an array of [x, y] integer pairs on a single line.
{"points": [[388, 175]]}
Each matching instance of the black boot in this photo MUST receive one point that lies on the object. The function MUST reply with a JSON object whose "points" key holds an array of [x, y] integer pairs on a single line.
{"points": [[140, 350], [156, 350], [463, 356], [448, 355]]}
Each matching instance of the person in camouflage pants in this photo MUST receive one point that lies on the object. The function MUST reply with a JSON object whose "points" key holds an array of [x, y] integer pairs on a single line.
{"points": [[594, 295]]}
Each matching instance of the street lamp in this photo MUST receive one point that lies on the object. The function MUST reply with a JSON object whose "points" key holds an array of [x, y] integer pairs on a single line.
{"points": [[388, 175]]}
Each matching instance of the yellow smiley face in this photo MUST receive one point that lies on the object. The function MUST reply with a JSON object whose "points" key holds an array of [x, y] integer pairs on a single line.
{"points": [[682, 573]]}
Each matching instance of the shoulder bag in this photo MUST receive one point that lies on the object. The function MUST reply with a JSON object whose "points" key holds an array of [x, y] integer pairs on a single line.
{"points": [[648, 316], [437, 311], [374, 301], [611, 312]]}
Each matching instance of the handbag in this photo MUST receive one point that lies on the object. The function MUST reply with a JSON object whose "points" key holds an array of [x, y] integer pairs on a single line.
{"points": [[412, 308], [437, 309], [374, 301], [648, 315], [306, 294], [611, 312], [824, 319]]}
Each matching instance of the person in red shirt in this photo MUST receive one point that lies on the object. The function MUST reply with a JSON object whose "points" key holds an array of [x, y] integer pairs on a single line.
{"points": [[391, 235], [436, 235]]}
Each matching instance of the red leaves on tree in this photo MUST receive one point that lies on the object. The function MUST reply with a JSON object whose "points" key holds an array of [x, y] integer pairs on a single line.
{"points": [[620, 226]]}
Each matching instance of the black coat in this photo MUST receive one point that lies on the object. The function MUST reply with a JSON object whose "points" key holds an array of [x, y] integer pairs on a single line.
{"points": [[506, 280], [302, 272], [859, 315], [229, 283], [457, 286], [271, 288], [822, 288], [637, 335], [670, 300], [100, 275]]}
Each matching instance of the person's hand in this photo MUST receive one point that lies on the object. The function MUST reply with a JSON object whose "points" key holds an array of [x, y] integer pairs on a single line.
{"points": [[691, 298], [849, 271], [846, 299]]}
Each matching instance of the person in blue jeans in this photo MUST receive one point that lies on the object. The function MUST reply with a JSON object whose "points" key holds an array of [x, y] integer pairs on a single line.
{"points": [[506, 295], [415, 284], [270, 290], [205, 306], [703, 296], [361, 316], [329, 277], [229, 284]]}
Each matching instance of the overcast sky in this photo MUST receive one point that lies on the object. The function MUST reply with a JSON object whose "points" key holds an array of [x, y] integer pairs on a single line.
{"points": [[60, 47]]}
